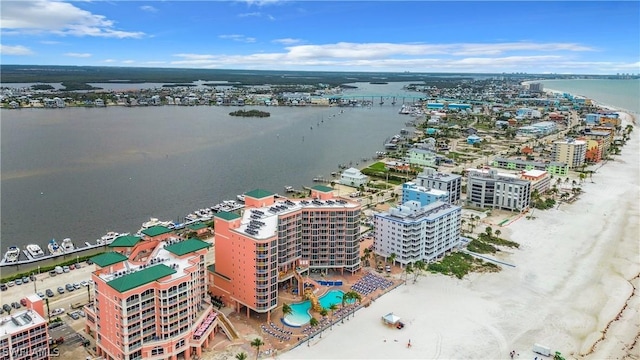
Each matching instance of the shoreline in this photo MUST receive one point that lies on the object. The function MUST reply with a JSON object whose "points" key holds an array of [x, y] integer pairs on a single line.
{"points": [[574, 288]]}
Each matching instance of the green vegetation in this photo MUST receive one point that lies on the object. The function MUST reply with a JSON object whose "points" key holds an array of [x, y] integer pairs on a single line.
{"points": [[481, 247], [45, 269], [460, 264], [42, 87], [73, 85], [250, 113]]}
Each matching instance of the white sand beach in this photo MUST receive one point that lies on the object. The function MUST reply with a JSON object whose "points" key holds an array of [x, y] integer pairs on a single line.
{"points": [[574, 289]]}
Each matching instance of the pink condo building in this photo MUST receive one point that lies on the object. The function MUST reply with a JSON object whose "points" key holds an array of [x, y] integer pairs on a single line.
{"points": [[149, 300], [276, 241]]}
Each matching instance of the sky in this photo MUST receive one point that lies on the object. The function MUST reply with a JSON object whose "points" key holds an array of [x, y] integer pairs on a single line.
{"points": [[374, 36]]}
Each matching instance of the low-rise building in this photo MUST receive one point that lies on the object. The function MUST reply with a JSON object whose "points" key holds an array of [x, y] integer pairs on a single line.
{"points": [[421, 157], [414, 232], [353, 177], [423, 195], [24, 335], [540, 180], [552, 167]]}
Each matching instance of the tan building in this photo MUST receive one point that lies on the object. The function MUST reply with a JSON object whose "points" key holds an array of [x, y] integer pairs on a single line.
{"points": [[570, 151], [540, 180]]}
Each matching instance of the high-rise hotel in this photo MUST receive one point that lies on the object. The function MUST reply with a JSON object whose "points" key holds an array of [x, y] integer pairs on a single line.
{"points": [[150, 298], [276, 240]]}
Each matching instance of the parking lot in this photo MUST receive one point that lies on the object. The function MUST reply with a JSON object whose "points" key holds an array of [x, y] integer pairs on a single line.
{"points": [[44, 282]]}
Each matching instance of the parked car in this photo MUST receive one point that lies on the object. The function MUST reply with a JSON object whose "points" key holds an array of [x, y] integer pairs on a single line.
{"points": [[65, 269], [25, 280], [23, 302], [89, 262], [6, 307], [3, 287], [53, 273], [41, 294], [1, 311], [78, 266], [11, 283], [57, 311], [74, 316], [49, 293], [32, 277], [81, 313], [69, 287], [72, 267], [18, 281], [76, 286], [59, 270], [84, 283], [15, 305], [60, 290]]}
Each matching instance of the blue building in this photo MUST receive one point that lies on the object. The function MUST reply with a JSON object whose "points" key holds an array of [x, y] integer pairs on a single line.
{"points": [[423, 195], [473, 139], [592, 119]]}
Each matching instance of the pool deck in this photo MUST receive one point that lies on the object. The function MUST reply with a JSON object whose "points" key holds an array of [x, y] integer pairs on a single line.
{"points": [[250, 328]]}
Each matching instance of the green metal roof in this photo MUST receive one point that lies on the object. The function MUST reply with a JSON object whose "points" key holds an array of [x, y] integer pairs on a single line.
{"points": [[212, 268], [259, 193], [156, 230], [140, 277], [197, 226], [187, 246], [108, 258], [322, 188], [125, 241], [227, 215]]}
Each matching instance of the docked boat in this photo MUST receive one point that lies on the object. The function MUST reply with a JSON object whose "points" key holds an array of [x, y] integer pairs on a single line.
{"points": [[67, 245], [289, 189], [108, 238], [240, 197], [12, 254], [155, 222], [54, 248], [35, 251]]}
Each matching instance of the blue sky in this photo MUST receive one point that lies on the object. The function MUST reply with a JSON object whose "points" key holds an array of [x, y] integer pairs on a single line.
{"points": [[421, 36]]}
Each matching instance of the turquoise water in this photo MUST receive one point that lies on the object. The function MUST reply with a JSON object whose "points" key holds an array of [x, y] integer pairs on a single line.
{"points": [[300, 311], [620, 94]]}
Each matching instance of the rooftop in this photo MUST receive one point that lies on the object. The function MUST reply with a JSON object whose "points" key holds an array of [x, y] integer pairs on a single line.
{"points": [[108, 258], [259, 193], [141, 277], [156, 230], [187, 246], [197, 226], [227, 215], [19, 321], [322, 188], [125, 241]]}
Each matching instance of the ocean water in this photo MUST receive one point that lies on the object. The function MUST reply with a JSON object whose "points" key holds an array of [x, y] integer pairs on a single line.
{"points": [[620, 94]]}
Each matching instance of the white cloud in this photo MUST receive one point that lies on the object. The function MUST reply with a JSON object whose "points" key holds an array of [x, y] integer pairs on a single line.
{"points": [[78, 55], [109, 60], [58, 18], [128, 61], [263, 2], [15, 50], [50, 42], [148, 8], [240, 38], [252, 14], [287, 41]]}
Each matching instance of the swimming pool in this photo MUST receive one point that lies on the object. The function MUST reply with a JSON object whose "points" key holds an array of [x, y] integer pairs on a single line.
{"points": [[300, 311]]}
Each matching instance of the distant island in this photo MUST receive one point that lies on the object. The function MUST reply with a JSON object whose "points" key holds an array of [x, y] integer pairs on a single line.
{"points": [[250, 113], [378, 83]]}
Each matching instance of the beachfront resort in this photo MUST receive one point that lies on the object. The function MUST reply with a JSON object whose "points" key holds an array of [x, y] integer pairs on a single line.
{"points": [[276, 276]]}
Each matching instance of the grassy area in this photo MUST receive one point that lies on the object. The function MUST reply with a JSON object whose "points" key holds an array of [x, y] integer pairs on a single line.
{"points": [[497, 241], [378, 166], [481, 247], [460, 264]]}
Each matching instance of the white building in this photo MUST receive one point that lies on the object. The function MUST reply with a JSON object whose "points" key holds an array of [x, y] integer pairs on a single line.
{"points": [[24, 335], [353, 177], [414, 232], [489, 189], [421, 157], [452, 183]]}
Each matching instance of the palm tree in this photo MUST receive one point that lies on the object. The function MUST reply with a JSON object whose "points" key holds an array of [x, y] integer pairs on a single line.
{"points": [[419, 266], [313, 323], [497, 232], [408, 269], [489, 231], [241, 356], [333, 309], [286, 310], [257, 342], [392, 258]]}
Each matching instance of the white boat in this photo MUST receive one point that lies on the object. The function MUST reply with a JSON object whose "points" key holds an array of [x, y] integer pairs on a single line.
{"points": [[35, 251], [240, 197], [289, 189], [67, 245], [108, 238], [54, 248], [12, 254], [155, 222]]}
